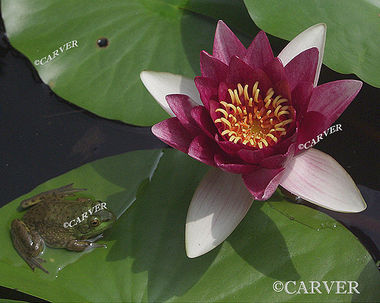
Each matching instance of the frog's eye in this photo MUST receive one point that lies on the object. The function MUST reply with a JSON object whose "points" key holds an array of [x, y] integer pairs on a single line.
{"points": [[94, 222]]}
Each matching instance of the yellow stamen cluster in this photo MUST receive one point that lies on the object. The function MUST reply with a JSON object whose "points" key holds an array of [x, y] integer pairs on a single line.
{"points": [[253, 119]]}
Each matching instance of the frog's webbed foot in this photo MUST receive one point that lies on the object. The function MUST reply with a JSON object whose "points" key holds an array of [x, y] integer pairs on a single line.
{"points": [[81, 245], [54, 194], [28, 244], [34, 262]]}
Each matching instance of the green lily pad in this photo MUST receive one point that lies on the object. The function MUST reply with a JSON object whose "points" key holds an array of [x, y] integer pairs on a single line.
{"points": [[141, 34], [353, 30], [114, 180], [145, 260]]}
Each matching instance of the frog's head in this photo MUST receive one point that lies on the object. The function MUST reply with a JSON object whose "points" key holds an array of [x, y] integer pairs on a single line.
{"points": [[95, 224]]}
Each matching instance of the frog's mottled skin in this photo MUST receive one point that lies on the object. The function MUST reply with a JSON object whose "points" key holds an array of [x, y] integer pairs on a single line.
{"points": [[44, 224]]}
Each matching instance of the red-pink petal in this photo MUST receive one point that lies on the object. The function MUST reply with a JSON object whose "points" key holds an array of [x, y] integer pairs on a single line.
{"points": [[264, 82], [279, 160], [207, 88], [312, 125], [275, 70], [241, 72], [181, 105], [314, 36], [235, 168], [203, 119], [173, 133], [226, 44], [282, 146], [259, 53], [275, 161], [332, 98], [319, 179], [263, 182], [254, 156], [230, 147], [223, 94], [301, 97], [282, 88], [276, 73], [203, 149], [212, 67], [302, 68], [216, 115], [227, 146]]}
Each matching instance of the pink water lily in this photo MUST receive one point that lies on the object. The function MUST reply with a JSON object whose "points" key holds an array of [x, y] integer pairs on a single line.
{"points": [[248, 115]]}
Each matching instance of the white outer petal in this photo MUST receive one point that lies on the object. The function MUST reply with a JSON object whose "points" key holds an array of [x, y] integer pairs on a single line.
{"points": [[162, 84], [319, 179], [219, 204], [314, 36]]}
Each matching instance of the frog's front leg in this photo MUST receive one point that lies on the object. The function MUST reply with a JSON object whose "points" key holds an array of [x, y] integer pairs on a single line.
{"points": [[81, 245], [28, 244]]}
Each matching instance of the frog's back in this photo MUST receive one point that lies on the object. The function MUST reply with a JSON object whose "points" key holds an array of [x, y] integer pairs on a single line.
{"points": [[48, 218]]}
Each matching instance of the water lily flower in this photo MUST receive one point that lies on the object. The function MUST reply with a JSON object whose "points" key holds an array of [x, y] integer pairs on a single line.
{"points": [[248, 115]]}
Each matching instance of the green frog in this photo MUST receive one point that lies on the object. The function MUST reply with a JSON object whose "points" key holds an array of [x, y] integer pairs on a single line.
{"points": [[58, 220]]}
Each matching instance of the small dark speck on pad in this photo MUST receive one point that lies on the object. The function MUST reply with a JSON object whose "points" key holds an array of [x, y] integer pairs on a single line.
{"points": [[102, 42]]}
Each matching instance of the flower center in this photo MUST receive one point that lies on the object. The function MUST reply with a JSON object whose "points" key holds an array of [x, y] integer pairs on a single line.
{"points": [[253, 120]]}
